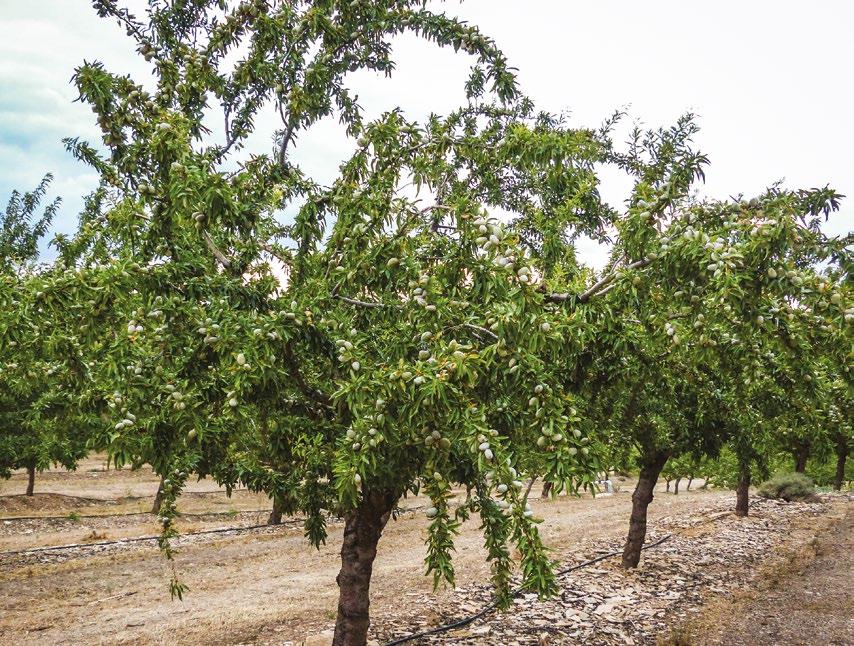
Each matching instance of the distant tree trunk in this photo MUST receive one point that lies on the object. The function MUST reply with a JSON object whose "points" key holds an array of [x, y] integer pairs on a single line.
{"points": [[31, 478], [667, 485], [690, 480], [801, 455], [547, 489], [158, 497], [742, 491], [363, 527], [641, 498], [276, 514], [841, 457], [676, 486]]}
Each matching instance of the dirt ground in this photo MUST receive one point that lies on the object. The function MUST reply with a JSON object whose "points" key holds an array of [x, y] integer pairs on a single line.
{"points": [[262, 585], [806, 599]]}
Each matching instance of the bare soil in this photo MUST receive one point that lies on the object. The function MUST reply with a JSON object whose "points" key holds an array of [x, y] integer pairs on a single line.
{"points": [[260, 585], [804, 599]]}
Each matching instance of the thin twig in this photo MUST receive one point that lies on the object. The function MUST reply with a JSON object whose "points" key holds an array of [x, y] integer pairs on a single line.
{"points": [[115, 596]]}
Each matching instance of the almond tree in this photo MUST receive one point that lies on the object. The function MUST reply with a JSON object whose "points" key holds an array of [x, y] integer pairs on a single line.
{"points": [[40, 423], [693, 289], [402, 344]]}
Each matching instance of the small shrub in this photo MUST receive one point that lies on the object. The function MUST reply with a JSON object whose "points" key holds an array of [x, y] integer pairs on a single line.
{"points": [[789, 487], [74, 517]]}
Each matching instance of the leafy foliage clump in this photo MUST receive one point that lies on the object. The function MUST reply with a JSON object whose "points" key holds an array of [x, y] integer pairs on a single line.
{"points": [[788, 487]]}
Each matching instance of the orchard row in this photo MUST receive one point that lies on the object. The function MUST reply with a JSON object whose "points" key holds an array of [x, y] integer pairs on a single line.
{"points": [[422, 323]]}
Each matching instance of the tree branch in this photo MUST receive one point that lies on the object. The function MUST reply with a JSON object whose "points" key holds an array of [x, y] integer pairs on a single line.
{"points": [[597, 288], [353, 301], [284, 146], [272, 251], [528, 490], [296, 374], [226, 262], [481, 330]]}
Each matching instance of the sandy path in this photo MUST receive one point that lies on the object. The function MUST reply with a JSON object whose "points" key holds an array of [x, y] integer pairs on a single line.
{"points": [[268, 587]]}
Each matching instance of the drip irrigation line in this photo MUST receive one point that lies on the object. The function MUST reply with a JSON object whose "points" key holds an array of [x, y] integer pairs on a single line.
{"points": [[515, 593], [134, 539]]}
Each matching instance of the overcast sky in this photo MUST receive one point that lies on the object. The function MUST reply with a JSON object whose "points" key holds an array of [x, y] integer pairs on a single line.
{"points": [[770, 81]]}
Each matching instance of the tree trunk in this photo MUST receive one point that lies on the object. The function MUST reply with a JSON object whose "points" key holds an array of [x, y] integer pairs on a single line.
{"points": [[158, 497], [741, 493], [667, 485], [841, 457], [547, 489], [690, 480], [801, 455], [31, 478], [641, 498], [276, 514], [362, 530], [676, 486]]}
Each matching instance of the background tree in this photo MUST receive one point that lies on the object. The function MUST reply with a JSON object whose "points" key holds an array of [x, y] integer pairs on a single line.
{"points": [[714, 275], [38, 418]]}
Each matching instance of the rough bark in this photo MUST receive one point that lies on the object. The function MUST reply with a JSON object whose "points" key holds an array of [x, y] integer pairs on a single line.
{"points": [[801, 455], [31, 478], [741, 492], [158, 497], [841, 457], [362, 530], [276, 513], [641, 498]]}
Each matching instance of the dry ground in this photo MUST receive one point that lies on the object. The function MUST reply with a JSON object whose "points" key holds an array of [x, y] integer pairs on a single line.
{"points": [[257, 586], [806, 598]]}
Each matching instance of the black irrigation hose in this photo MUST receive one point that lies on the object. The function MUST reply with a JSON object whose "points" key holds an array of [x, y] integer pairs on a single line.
{"points": [[515, 593], [135, 539]]}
